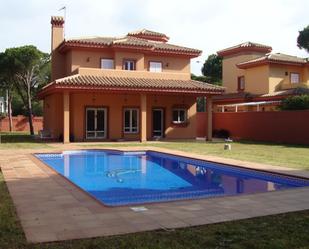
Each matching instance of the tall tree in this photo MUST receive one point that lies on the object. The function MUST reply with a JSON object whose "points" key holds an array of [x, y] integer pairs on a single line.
{"points": [[7, 83], [212, 69], [30, 73], [303, 39]]}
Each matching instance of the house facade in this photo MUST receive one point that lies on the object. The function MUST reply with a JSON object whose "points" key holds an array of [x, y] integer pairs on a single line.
{"points": [[257, 80], [134, 87]]}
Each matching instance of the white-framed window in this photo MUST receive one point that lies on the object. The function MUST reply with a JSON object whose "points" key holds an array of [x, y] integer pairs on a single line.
{"points": [[241, 83], [295, 78], [155, 66], [131, 120], [107, 63], [129, 65], [179, 115]]}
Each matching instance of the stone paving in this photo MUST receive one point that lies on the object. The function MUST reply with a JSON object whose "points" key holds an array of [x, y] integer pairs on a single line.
{"points": [[50, 208]]}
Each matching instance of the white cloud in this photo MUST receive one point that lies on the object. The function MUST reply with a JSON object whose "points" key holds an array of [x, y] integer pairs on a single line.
{"points": [[203, 24]]}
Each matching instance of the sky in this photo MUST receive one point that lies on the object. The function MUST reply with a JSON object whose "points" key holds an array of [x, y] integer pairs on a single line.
{"points": [[208, 25]]}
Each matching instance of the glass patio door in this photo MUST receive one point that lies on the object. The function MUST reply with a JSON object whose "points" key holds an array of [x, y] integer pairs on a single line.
{"points": [[95, 123], [157, 123]]}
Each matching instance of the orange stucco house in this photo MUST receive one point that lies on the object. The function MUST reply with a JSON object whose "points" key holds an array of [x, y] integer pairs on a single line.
{"points": [[135, 87], [257, 80]]}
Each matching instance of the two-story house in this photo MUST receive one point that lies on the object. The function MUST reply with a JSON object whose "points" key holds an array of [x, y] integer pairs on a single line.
{"points": [[256, 79], [134, 87]]}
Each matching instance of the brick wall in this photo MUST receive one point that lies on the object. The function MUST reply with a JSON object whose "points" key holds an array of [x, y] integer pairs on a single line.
{"points": [[20, 123], [280, 126]]}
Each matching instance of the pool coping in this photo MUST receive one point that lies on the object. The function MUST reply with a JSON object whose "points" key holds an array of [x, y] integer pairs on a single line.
{"points": [[67, 212], [45, 165]]}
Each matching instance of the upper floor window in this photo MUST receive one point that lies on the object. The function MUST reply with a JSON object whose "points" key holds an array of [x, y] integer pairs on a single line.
{"points": [[295, 78], [107, 63], [155, 66], [129, 65], [179, 116], [241, 83]]}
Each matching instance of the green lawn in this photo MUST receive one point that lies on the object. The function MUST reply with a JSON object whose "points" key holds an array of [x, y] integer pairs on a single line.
{"points": [[294, 156], [19, 140], [278, 231], [274, 232]]}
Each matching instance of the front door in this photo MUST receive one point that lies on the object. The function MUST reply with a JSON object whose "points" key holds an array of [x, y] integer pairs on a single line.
{"points": [[96, 123], [157, 123]]}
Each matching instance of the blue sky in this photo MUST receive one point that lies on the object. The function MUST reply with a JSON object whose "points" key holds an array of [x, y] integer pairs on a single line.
{"points": [[203, 24]]}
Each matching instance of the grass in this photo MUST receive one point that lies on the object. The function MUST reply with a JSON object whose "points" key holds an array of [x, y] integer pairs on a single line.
{"points": [[293, 156], [279, 231], [19, 140]]}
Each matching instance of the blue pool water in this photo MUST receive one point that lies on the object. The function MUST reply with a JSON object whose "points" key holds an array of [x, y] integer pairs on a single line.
{"points": [[125, 178]]}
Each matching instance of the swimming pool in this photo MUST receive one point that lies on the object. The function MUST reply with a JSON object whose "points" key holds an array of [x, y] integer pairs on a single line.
{"points": [[126, 178]]}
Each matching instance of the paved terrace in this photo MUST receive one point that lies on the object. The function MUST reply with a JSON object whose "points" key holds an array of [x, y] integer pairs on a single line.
{"points": [[52, 209]]}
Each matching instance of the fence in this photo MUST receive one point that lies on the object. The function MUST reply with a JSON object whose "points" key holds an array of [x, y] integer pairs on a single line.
{"points": [[279, 126], [20, 123]]}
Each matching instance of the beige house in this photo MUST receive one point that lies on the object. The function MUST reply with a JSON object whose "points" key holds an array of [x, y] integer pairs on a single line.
{"points": [[256, 79], [134, 87]]}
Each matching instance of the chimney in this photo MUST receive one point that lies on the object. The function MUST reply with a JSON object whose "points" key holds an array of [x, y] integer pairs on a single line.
{"points": [[57, 34], [57, 37]]}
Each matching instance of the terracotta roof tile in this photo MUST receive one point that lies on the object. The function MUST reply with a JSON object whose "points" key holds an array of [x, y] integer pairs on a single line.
{"points": [[278, 57], [147, 32], [245, 46], [294, 91], [136, 83], [131, 41]]}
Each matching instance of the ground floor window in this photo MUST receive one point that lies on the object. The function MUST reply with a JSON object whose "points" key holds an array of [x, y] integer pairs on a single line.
{"points": [[179, 116], [131, 120]]}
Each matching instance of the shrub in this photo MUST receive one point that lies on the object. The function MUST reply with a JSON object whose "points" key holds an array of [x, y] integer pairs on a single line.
{"points": [[300, 102], [221, 133]]}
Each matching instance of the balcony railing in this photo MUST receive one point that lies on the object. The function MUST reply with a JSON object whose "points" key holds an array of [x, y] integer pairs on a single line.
{"points": [[285, 86]]}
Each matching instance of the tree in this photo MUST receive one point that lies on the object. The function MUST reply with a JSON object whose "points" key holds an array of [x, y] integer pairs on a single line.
{"points": [[201, 78], [7, 83], [212, 69], [31, 72], [303, 39]]}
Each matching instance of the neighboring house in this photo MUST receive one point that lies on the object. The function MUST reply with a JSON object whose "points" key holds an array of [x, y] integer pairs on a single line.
{"points": [[257, 80], [135, 87]]}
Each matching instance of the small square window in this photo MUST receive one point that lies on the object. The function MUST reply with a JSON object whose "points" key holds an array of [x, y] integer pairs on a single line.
{"points": [[179, 116], [107, 63], [295, 78], [129, 65], [155, 66]]}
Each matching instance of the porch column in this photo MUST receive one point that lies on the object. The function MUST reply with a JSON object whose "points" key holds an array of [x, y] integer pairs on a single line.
{"points": [[209, 117], [66, 117], [143, 118]]}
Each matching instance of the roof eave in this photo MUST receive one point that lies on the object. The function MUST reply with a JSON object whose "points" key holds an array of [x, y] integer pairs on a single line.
{"points": [[268, 62], [53, 87], [232, 51]]}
